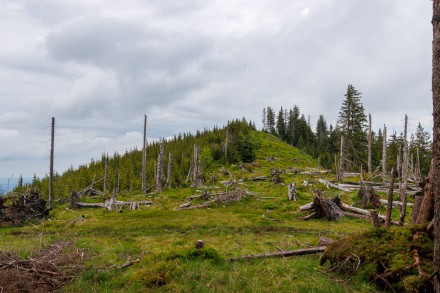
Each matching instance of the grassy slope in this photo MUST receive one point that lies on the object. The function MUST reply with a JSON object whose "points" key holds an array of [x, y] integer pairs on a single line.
{"points": [[232, 230]]}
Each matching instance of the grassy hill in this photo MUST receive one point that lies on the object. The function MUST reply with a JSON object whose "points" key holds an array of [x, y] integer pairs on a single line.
{"points": [[163, 238]]}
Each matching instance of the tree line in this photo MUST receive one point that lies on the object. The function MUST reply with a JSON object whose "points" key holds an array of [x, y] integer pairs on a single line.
{"points": [[324, 141], [221, 145]]}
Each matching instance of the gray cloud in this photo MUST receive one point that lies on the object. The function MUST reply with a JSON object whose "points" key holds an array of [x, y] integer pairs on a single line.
{"points": [[98, 67]]}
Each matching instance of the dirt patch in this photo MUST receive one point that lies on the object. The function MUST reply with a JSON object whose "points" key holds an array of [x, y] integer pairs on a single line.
{"points": [[48, 270]]}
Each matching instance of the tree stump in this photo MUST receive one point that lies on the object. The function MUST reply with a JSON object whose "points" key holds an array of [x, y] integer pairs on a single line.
{"points": [[291, 191], [199, 244]]}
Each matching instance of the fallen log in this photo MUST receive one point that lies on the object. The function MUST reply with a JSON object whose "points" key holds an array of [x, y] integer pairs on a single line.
{"points": [[395, 203], [363, 212], [303, 251], [306, 207], [260, 178], [329, 184]]}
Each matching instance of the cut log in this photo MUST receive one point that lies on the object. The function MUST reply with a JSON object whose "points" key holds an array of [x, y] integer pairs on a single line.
{"points": [[303, 251]]}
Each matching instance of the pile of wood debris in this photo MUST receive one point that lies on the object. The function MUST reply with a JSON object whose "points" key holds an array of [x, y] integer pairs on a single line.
{"points": [[23, 208], [47, 271]]}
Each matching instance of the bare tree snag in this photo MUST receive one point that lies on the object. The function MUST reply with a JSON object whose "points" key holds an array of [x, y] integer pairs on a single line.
{"points": [[390, 200], [404, 179], [291, 191], [144, 157], [196, 169], [370, 174], [52, 144], [384, 155], [170, 162], [375, 218], [416, 208], [417, 171], [226, 142], [435, 179], [105, 174], [304, 251], [160, 167], [341, 160]]}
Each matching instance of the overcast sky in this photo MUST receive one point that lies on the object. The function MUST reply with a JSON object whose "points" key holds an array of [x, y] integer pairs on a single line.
{"points": [[98, 66]]}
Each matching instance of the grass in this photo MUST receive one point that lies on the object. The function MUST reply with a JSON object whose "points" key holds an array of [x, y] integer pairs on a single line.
{"points": [[154, 233]]}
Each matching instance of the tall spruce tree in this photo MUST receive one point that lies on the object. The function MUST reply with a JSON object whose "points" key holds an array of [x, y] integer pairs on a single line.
{"points": [[352, 123], [281, 125]]}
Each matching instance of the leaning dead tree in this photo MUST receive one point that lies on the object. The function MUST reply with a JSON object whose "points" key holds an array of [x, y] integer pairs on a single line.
{"points": [[160, 167]]}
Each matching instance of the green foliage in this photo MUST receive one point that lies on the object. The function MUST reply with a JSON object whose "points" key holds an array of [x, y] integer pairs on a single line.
{"points": [[248, 148], [352, 123], [206, 157]]}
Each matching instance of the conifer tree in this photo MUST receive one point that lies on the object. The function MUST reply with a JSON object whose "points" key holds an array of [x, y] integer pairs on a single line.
{"points": [[352, 123]]}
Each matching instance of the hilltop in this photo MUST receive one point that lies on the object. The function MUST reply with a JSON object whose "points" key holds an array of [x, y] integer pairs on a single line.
{"points": [[161, 238]]}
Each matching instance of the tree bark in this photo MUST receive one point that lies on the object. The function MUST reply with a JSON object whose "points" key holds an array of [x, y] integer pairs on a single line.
{"points": [[436, 138], [404, 178], [170, 162], [52, 145], [427, 207], [311, 250], [144, 157], [341, 160], [160, 167], [370, 174], [291, 192], [390, 200], [416, 208], [375, 219], [384, 155]]}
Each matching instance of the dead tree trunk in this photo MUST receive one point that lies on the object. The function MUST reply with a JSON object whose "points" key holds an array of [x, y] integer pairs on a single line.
{"points": [[196, 167], [341, 160], [375, 219], [170, 162], [52, 140], [105, 174], [291, 191], [404, 179], [144, 157], [370, 174], [417, 171], [427, 207], [436, 138], [384, 155], [226, 142], [390, 200], [160, 167], [416, 208]]}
